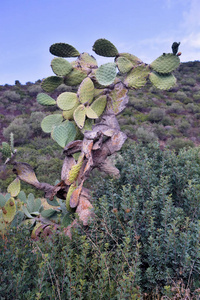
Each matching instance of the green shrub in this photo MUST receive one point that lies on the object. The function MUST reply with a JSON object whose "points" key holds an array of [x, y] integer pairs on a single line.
{"points": [[11, 95], [156, 114], [179, 143], [145, 136], [21, 130]]}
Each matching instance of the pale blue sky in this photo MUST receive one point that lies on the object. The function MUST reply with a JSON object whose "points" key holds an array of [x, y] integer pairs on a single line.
{"points": [[146, 28]]}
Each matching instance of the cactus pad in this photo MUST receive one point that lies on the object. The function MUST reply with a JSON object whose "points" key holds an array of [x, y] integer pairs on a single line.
{"points": [[48, 213], [162, 81], [49, 121], [2, 200], [79, 116], [137, 77], [106, 74], [90, 113], [124, 64], [99, 105], [50, 83], [25, 173], [74, 172], [165, 63], [87, 61], [14, 187], [86, 91], [132, 58], [67, 100], [75, 77], [9, 210], [45, 99], [104, 47], [61, 66], [63, 50], [69, 193], [68, 114], [64, 133], [117, 99]]}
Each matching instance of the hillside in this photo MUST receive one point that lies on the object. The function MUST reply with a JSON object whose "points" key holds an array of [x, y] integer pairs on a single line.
{"points": [[171, 117]]}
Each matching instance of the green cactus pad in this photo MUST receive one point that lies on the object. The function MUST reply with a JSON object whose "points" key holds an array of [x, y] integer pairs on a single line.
{"points": [[137, 77], [117, 99], [2, 224], [22, 197], [45, 99], [106, 74], [124, 65], [19, 217], [90, 113], [63, 50], [64, 133], [50, 83], [86, 91], [132, 58], [88, 125], [74, 172], [162, 81], [68, 114], [69, 193], [61, 66], [6, 150], [99, 105], [79, 116], [87, 61], [49, 121], [104, 47], [14, 187], [9, 210], [67, 100], [75, 77], [37, 205], [165, 63], [2, 200], [48, 213]]}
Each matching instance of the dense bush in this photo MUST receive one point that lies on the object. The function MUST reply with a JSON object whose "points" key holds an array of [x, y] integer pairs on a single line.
{"points": [[20, 129], [156, 114], [143, 241]]}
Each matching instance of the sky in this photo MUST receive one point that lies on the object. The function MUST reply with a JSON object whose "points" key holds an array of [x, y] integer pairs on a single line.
{"points": [[145, 28]]}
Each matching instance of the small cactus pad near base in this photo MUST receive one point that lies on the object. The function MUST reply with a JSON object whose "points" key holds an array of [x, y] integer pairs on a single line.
{"points": [[49, 84], [105, 48], [63, 50]]}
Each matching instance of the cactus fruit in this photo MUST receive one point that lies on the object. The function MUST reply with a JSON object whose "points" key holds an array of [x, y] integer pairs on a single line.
{"points": [[50, 83], [67, 100], [124, 65], [90, 113], [64, 133], [132, 58], [175, 46], [79, 116], [105, 48], [9, 210], [14, 187], [137, 77], [162, 81], [45, 99], [165, 63], [49, 121], [63, 50], [61, 66], [99, 105], [117, 99], [106, 74], [75, 77], [86, 91]]}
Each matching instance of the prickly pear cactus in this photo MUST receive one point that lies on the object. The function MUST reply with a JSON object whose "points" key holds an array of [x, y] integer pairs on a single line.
{"points": [[86, 129]]}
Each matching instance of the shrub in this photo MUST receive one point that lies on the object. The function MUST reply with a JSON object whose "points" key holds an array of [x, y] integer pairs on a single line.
{"points": [[178, 143], [11, 95], [181, 96], [145, 136], [156, 114], [35, 122], [20, 129], [34, 90]]}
